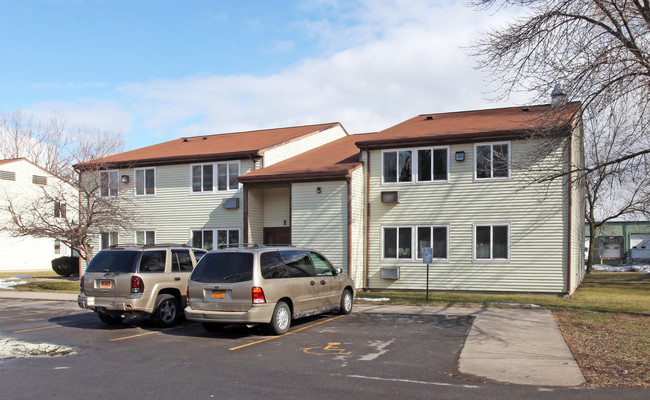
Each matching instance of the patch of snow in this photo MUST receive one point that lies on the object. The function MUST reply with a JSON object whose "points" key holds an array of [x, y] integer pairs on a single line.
{"points": [[623, 268], [373, 299], [10, 348], [516, 304], [6, 284], [20, 277]]}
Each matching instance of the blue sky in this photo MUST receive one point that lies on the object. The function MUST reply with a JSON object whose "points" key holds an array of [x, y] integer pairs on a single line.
{"points": [[159, 70]]}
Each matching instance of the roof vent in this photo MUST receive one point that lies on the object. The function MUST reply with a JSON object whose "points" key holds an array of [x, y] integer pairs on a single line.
{"points": [[186, 140], [525, 109], [429, 117], [205, 138]]}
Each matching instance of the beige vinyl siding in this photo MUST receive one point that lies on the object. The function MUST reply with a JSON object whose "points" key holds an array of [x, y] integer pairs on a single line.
{"points": [[536, 215], [256, 216], [174, 211], [277, 209], [357, 239], [320, 220], [288, 150], [578, 199]]}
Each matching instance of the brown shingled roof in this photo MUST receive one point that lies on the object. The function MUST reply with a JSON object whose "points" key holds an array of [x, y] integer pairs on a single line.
{"points": [[457, 127], [236, 145], [334, 160]]}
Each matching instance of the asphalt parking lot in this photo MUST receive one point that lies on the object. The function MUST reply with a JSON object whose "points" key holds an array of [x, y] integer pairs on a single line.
{"points": [[362, 355]]}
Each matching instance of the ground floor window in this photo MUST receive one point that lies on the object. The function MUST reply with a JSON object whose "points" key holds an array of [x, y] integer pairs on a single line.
{"points": [[407, 242], [145, 238], [205, 238], [491, 241], [108, 239]]}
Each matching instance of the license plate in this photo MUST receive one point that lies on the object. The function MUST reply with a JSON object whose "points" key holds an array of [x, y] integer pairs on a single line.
{"points": [[218, 294], [105, 284]]}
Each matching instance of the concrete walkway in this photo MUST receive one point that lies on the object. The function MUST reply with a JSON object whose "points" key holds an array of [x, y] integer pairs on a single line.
{"points": [[514, 346]]}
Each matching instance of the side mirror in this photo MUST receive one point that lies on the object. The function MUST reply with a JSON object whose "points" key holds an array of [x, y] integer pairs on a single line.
{"points": [[339, 271]]}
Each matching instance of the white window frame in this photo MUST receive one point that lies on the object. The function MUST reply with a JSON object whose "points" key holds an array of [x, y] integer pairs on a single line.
{"points": [[215, 177], [144, 232], [492, 178], [491, 225], [415, 178], [144, 182], [109, 233], [117, 183], [60, 209], [414, 245], [215, 236]]}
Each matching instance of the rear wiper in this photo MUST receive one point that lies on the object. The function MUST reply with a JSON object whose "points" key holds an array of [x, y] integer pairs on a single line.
{"points": [[235, 276]]}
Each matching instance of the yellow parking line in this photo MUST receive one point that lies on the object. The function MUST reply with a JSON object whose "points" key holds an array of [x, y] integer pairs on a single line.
{"points": [[36, 313], [286, 334], [38, 329], [133, 336]]}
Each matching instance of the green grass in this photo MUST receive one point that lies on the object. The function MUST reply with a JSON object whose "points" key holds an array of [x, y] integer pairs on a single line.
{"points": [[626, 292], [44, 281], [35, 274]]}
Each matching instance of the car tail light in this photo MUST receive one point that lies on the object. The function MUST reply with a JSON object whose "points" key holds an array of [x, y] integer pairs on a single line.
{"points": [[81, 285], [137, 285], [258, 296], [187, 293]]}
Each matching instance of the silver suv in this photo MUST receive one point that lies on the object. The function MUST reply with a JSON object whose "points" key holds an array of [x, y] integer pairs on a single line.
{"points": [[265, 285], [132, 281]]}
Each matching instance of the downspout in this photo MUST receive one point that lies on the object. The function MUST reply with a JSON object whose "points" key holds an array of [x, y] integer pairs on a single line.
{"points": [[367, 266], [570, 186]]}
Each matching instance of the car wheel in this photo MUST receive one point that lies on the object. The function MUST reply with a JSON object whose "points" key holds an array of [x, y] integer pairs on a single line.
{"points": [[111, 319], [212, 326], [281, 320], [346, 302], [166, 310]]}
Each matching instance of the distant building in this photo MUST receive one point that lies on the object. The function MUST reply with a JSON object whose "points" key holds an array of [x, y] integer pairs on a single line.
{"points": [[620, 242]]}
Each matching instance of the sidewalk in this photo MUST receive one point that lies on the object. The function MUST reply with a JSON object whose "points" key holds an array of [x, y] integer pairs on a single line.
{"points": [[514, 346]]}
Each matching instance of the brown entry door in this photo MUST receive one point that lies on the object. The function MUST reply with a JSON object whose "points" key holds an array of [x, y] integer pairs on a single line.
{"points": [[277, 236]]}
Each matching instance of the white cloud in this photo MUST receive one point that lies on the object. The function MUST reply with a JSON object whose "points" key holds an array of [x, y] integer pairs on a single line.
{"points": [[106, 115]]}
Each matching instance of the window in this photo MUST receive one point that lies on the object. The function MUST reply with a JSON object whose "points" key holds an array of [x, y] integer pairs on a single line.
{"points": [[39, 180], [57, 246], [407, 242], [108, 239], [198, 254], [108, 183], [423, 165], [435, 237], [322, 266], [145, 181], [227, 177], [492, 161], [272, 265], [60, 209], [397, 243], [227, 237], [492, 242], [298, 263], [145, 237], [203, 239], [181, 261], [153, 261]]}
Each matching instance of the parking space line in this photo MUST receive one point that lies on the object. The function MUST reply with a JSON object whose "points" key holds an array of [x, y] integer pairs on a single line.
{"points": [[134, 336], [36, 313], [286, 334], [38, 329], [464, 386]]}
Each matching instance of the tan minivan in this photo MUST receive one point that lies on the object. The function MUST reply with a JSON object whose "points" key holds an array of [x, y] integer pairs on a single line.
{"points": [[132, 281], [265, 285]]}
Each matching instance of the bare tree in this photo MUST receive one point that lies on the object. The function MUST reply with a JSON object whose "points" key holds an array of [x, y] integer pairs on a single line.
{"points": [[76, 206], [599, 51]]}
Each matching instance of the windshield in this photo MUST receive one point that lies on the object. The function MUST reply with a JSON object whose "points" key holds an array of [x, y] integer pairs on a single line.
{"points": [[224, 268], [113, 261]]}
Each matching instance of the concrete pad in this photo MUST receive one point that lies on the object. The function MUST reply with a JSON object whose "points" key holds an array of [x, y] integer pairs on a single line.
{"points": [[13, 294]]}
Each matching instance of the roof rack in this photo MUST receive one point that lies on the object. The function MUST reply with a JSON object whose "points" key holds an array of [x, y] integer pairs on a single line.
{"points": [[149, 245], [251, 245]]}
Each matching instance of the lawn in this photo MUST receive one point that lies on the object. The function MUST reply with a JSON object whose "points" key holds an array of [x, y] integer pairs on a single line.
{"points": [[606, 323], [44, 281]]}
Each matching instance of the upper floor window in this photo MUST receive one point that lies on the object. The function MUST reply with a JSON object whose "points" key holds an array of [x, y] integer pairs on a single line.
{"points": [[204, 179], [145, 237], [492, 161], [108, 239], [145, 181], [108, 183], [420, 165]]}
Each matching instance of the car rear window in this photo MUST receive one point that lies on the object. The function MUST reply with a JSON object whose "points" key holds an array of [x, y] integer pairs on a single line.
{"points": [[113, 261], [224, 268]]}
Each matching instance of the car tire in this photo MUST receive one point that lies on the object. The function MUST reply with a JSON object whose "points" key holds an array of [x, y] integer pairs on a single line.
{"points": [[111, 319], [212, 326], [165, 312], [347, 301], [281, 320]]}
